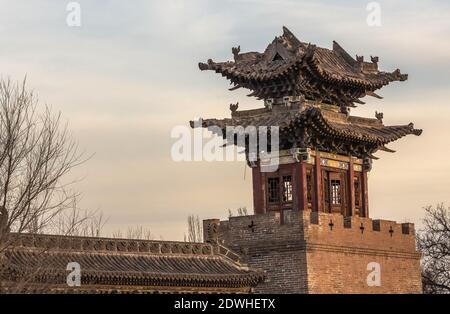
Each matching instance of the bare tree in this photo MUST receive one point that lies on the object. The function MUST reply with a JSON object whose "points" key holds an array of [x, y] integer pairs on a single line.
{"points": [[134, 233], [434, 242], [195, 226], [77, 222], [139, 233], [117, 234], [195, 229], [241, 211], [36, 154]]}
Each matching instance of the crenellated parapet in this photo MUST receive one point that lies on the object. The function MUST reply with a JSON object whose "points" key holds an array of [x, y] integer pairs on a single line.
{"points": [[359, 233], [311, 252], [332, 229]]}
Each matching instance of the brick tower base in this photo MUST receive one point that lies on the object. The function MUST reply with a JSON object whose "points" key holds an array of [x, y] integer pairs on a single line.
{"points": [[323, 253]]}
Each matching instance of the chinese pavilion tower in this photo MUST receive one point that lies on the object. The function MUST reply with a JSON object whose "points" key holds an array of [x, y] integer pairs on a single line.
{"points": [[325, 153], [311, 231]]}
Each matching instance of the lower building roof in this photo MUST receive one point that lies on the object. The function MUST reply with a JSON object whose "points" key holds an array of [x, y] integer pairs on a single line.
{"points": [[123, 262]]}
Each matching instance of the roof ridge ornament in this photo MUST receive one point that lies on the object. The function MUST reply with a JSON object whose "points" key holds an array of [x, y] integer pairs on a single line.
{"points": [[398, 75], [414, 131], [343, 53], [234, 107], [291, 37], [372, 94], [236, 51], [379, 116]]}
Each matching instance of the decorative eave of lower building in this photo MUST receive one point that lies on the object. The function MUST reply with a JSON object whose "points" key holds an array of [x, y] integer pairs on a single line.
{"points": [[122, 265]]}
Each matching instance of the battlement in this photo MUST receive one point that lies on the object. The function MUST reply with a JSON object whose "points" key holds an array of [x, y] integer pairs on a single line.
{"points": [[312, 227], [311, 252], [361, 233]]}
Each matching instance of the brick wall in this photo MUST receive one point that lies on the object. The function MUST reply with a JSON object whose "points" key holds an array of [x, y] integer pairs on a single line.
{"points": [[324, 253], [339, 251], [264, 243]]}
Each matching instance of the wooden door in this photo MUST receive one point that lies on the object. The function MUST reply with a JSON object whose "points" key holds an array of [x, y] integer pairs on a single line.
{"points": [[337, 192], [280, 195], [334, 191]]}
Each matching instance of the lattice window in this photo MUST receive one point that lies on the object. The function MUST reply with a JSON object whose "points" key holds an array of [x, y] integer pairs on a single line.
{"points": [[336, 192], [287, 189], [274, 190]]}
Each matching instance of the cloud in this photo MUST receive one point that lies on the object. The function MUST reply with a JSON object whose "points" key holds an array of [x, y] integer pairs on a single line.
{"points": [[129, 74]]}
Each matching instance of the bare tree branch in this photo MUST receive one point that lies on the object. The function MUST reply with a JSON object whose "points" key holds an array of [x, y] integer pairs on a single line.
{"points": [[434, 242], [36, 154], [195, 229]]}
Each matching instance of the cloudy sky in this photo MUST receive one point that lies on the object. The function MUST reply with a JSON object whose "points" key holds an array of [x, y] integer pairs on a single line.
{"points": [[129, 74]]}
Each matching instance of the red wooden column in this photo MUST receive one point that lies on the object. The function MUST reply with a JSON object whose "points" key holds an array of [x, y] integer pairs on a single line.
{"points": [[351, 189], [258, 190], [365, 195], [318, 204], [300, 186]]}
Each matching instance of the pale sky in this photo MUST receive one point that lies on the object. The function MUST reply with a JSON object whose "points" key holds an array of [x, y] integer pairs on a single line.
{"points": [[129, 74]]}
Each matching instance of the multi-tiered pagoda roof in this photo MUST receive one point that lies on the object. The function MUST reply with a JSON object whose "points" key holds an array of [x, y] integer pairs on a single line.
{"points": [[290, 67], [307, 92], [323, 129]]}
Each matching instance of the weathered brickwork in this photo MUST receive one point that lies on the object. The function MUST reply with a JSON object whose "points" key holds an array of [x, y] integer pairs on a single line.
{"points": [[264, 243], [323, 253], [339, 251]]}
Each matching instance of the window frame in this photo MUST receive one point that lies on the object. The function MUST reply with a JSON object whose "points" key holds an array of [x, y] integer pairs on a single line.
{"points": [[275, 190], [329, 175], [280, 204], [287, 195]]}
